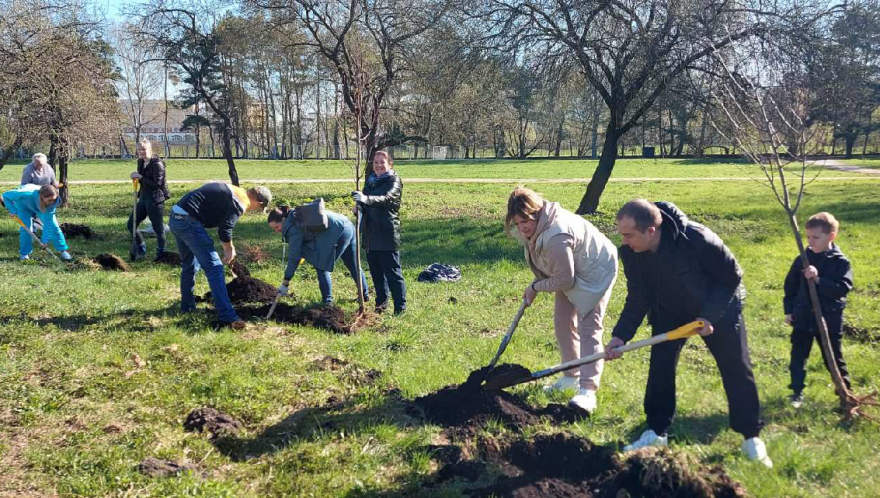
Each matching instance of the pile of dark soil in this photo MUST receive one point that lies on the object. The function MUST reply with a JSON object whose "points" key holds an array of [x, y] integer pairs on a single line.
{"points": [[155, 467], [214, 421], [111, 262], [325, 317], [168, 258], [556, 465], [246, 289], [73, 230], [467, 407]]}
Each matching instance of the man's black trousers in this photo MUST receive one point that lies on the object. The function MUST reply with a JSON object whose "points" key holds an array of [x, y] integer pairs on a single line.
{"points": [[729, 346]]}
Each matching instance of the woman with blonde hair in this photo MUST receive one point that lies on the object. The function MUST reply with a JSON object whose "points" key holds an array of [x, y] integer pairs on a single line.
{"points": [[151, 197], [574, 261]]}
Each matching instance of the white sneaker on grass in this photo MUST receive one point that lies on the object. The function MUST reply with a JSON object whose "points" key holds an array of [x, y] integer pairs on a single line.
{"points": [[585, 399], [755, 449], [66, 256], [24, 258], [563, 384], [648, 438]]}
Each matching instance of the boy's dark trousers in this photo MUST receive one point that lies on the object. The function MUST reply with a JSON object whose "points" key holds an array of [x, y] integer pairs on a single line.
{"points": [[386, 272], [802, 339], [729, 346]]}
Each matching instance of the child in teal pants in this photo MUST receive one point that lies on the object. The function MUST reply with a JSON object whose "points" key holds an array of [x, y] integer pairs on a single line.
{"points": [[33, 201]]}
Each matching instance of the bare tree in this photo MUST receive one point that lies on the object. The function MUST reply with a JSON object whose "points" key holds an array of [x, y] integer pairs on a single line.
{"points": [[187, 37], [764, 102], [628, 50], [383, 30], [141, 78], [60, 70]]}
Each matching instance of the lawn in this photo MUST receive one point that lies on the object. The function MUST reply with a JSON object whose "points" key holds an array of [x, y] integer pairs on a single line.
{"points": [[98, 371], [190, 169], [870, 163]]}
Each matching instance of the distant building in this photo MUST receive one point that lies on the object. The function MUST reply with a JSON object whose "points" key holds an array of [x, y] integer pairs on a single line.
{"points": [[153, 123]]}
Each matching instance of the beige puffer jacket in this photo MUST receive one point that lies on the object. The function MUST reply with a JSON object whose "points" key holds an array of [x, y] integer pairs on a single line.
{"points": [[594, 255]]}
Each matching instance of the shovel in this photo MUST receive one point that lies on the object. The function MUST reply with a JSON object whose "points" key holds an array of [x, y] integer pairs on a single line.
{"points": [[36, 239], [521, 375], [132, 254], [505, 340]]}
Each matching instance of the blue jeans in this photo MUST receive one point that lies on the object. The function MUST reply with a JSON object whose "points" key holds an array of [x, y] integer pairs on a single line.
{"points": [[345, 250], [386, 272], [197, 248], [51, 232]]}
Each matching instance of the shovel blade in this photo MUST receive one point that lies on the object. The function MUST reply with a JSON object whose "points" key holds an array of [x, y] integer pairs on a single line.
{"points": [[506, 375]]}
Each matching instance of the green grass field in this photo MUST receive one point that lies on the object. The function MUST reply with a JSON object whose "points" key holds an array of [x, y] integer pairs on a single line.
{"points": [[98, 371], [192, 169]]}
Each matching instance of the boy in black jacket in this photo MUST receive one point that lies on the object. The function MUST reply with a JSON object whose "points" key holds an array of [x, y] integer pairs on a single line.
{"points": [[831, 272]]}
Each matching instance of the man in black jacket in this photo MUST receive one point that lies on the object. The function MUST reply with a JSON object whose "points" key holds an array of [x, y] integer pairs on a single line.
{"points": [[380, 202], [832, 274], [679, 271]]}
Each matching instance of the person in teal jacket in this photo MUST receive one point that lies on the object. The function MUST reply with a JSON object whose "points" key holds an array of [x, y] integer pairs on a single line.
{"points": [[320, 249], [33, 201]]}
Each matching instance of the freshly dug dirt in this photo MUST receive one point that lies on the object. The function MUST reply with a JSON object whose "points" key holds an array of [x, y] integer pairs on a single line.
{"points": [[111, 262], [213, 421], [325, 317], [246, 289], [73, 230], [555, 465], [169, 258], [467, 407], [155, 467]]}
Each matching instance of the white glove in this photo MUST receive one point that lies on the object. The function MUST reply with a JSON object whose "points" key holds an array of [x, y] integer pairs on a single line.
{"points": [[283, 290], [358, 196]]}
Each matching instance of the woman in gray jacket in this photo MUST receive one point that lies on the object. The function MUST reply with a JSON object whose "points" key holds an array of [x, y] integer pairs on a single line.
{"points": [[320, 249], [573, 260]]}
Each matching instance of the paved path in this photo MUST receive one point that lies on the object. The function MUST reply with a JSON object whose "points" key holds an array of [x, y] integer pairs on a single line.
{"points": [[872, 176], [849, 168]]}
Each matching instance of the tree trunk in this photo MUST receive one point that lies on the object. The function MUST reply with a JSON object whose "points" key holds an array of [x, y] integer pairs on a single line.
{"points": [[559, 138], [8, 152], [590, 202], [64, 191], [850, 139], [227, 151]]}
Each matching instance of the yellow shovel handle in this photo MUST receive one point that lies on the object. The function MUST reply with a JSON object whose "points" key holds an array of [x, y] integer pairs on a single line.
{"points": [[686, 330], [21, 222], [134, 183]]}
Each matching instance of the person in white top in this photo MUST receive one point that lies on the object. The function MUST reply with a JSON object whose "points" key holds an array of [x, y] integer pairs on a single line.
{"points": [[577, 263]]}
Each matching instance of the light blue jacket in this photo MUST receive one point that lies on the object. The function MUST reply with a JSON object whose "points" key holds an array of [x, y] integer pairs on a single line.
{"points": [[319, 248], [25, 200]]}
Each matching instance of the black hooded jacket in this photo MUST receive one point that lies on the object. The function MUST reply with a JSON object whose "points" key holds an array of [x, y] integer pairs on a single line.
{"points": [[382, 213], [153, 182], [692, 274], [835, 281]]}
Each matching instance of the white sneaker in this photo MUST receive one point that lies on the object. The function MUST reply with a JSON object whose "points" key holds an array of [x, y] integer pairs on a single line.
{"points": [[585, 399], [648, 438], [563, 384], [66, 256], [24, 258], [754, 449]]}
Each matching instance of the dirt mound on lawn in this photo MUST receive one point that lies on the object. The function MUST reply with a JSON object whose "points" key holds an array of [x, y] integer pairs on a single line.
{"points": [[73, 230], [168, 258], [555, 465], [324, 317], [211, 420], [111, 262], [246, 289], [467, 407]]}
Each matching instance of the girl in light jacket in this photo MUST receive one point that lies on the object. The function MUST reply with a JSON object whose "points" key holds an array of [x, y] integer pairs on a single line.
{"points": [[573, 260], [32, 201]]}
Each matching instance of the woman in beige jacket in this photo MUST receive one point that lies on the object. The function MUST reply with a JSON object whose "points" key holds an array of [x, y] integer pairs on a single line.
{"points": [[576, 262]]}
